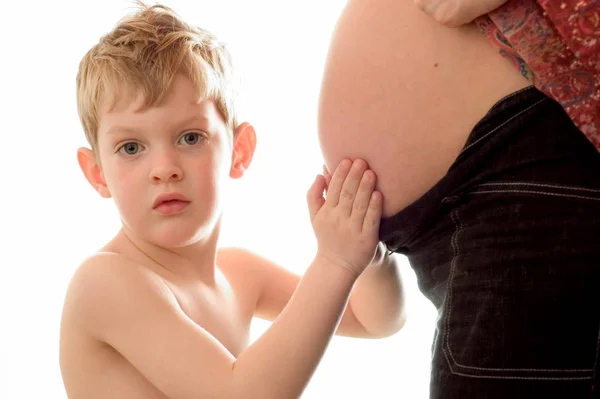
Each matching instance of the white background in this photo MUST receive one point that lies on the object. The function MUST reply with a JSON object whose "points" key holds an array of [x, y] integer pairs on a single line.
{"points": [[50, 219]]}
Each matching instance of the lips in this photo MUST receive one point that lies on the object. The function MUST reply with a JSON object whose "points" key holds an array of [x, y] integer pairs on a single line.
{"points": [[170, 203]]}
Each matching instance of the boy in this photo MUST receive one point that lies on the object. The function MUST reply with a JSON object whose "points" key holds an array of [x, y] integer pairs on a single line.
{"points": [[159, 311]]}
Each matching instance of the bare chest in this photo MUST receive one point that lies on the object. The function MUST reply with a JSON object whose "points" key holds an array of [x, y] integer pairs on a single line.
{"points": [[221, 312]]}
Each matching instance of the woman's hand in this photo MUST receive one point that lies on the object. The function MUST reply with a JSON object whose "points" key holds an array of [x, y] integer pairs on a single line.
{"points": [[453, 13]]}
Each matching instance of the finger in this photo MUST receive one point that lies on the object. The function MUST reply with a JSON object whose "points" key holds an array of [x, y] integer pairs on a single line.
{"points": [[327, 176], [337, 180], [445, 12], [427, 5], [350, 186], [314, 196], [363, 197], [373, 215]]}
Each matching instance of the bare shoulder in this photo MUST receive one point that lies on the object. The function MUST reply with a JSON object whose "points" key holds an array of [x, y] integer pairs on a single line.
{"points": [[111, 271], [240, 262], [270, 284], [229, 255], [244, 269], [102, 294], [134, 317], [105, 280], [236, 260]]}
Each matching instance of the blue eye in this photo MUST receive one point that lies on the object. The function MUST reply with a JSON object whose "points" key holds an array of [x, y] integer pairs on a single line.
{"points": [[190, 139], [130, 148]]}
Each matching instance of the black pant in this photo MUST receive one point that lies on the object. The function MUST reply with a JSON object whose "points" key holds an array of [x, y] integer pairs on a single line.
{"points": [[507, 247]]}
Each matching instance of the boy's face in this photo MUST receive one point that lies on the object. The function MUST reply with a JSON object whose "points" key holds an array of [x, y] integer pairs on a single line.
{"points": [[165, 167]]}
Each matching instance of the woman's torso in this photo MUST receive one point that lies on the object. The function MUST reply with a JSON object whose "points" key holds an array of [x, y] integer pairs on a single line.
{"points": [[404, 92]]}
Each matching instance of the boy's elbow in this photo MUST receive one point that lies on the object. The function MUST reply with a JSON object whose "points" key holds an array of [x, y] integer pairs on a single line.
{"points": [[387, 330], [397, 326]]}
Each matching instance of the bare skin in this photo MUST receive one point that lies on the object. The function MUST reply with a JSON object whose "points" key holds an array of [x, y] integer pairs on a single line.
{"points": [[457, 12], [92, 368], [159, 312], [403, 92], [244, 286]]}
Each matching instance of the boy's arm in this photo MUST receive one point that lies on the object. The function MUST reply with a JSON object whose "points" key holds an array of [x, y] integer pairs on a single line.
{"points": [[375, 308], [454, 13], [377, 300], [133, 311]]}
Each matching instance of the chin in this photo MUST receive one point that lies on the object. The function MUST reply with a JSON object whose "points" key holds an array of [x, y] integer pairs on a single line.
{"points": [[183, 234], [178, 231], [176, 237]]}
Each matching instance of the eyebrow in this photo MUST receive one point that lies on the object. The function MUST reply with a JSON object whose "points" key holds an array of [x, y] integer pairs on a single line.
{"points": [[132, 130], [121, 129]]}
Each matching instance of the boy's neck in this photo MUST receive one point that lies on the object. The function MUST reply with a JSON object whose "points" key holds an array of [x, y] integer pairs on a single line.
{"points": [[191, 263]]}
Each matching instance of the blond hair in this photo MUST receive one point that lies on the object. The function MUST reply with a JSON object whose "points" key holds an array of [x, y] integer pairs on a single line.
{"points": [[142, 55]]}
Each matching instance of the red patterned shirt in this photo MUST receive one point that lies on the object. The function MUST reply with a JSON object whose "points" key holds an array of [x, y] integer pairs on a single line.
{"points": [[556, 44]]}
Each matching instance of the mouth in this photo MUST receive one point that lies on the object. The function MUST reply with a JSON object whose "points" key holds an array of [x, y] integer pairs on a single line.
{"points": [[171, 207], [170, 203]]}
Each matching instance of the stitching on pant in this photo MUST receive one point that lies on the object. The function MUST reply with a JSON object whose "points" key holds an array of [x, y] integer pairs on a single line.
{"points": [[536, 192], [456, 252], [500, 377], [595, 370], [503, 123], [592, 190]]}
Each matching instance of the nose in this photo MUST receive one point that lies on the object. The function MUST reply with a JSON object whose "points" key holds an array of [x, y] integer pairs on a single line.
{"points": [[165, 167]]}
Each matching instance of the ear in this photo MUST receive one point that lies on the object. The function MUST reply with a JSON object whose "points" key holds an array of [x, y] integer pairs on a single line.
{"points": [[244, 144], [92, 171]]}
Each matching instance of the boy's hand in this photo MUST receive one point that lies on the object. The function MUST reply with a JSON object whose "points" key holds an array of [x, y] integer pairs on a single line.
{"points": [[454, 13], [346, 224]]}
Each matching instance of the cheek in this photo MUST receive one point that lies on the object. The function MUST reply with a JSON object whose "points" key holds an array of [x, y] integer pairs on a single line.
{"points": [[124, 183], [211, 175], [217, 164]]}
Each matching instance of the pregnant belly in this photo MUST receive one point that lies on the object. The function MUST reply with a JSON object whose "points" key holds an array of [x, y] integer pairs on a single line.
{"points": [[403, 93]]}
